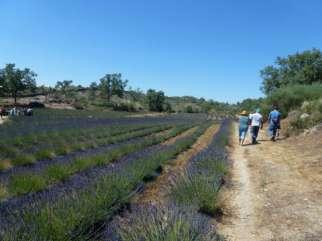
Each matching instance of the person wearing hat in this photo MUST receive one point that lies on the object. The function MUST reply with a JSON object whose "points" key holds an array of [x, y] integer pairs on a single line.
{"points": [[256, 120], [243, 126]]}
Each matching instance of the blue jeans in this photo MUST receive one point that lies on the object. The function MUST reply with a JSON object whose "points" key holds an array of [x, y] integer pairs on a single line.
{"points": [[242, 132], [272, 129], [254, 132]]}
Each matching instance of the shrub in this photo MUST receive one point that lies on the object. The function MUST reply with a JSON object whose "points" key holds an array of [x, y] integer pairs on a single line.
{"points": [[189, 109], [36, 104], [78, 106], [314, 111], [129, 107], [292, 97]]}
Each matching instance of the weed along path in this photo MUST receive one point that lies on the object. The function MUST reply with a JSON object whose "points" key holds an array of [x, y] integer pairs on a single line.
{"points": [[275, 191]]}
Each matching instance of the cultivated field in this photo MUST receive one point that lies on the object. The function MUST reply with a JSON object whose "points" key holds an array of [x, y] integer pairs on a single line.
{"points": [[79, 175]]}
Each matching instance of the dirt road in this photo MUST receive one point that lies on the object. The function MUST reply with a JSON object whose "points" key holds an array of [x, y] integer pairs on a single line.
{"points": [[275, 191]]}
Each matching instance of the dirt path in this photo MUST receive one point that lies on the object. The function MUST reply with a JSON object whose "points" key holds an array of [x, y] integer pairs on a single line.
{"points": [[275, 191]]}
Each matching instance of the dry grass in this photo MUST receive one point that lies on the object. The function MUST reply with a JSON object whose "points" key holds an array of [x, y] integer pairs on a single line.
{"points": [[5, 164]]}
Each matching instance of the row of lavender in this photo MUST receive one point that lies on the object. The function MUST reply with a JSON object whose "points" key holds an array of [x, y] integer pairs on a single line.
{"points": [[60, 212], [56, 120], [188, 213], [25, 140], [42, 174]]}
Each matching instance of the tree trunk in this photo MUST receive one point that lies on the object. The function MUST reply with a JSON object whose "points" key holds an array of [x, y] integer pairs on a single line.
{"points": [[15, 97]]}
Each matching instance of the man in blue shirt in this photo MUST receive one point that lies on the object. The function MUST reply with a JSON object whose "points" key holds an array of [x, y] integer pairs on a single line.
{"points": [[274, 120]]}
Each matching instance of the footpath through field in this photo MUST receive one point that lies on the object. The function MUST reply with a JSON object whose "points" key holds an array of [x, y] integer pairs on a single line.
{"points": [[275, 191]]}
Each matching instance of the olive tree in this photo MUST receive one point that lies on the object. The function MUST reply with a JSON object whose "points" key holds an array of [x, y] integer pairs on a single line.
{"points": [[13, 81]]}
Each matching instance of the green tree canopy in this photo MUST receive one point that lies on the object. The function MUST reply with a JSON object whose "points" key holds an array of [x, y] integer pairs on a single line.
{"points": [[112, 84], [155, 100], [92, 90], [300, 68], [65, 87], [13, 80]]}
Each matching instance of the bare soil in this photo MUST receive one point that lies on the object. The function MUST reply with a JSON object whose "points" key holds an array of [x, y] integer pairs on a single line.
{"points": [[275, 191]]}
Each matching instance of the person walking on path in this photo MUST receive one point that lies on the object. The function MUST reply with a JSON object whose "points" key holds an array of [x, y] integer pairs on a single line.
{"points": [[2, 112], [274, 121], [243, 126], [256, 120]]}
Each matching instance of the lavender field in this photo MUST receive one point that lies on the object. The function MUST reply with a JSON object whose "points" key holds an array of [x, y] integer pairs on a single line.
{"points": [[72, 175]]}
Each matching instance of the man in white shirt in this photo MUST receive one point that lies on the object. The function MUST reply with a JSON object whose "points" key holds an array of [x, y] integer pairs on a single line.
{"points": [[256, 123]]}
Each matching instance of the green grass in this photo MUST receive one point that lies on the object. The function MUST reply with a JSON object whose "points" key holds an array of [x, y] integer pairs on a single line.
{"points": [[26, 183], [3, 191], [56, 173], [45, 154], [7, 150], [23, 159], [62, 148]]}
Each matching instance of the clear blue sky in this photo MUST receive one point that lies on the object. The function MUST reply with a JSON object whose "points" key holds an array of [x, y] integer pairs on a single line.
{"points": [[205, 48]]}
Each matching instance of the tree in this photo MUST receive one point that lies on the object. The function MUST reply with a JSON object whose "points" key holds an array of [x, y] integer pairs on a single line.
{"points": [[64, 86], [168, 107], [155, 100], [92, 90], [2, 83], [136, 94], [271, 79], [300, 68], [189, 109], [112, 84], [14, 80]]}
